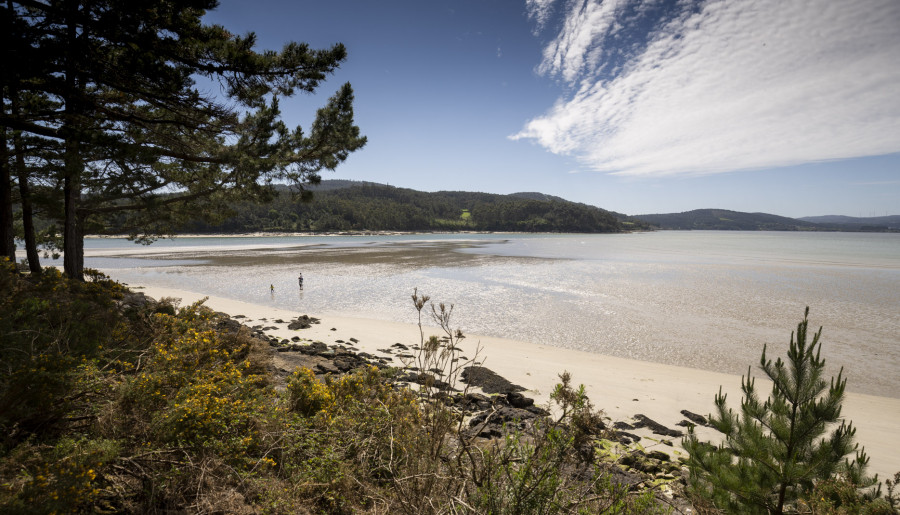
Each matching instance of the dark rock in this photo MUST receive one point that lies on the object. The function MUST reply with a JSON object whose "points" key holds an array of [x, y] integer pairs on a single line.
{"points": [[473, 402], [239, 316], [640, 461], [334, 328], [344, 365], [491, 431], [400, 346], [626, 438], [295, 339], [488, 381], [655, 427], [517, 400], [228, 325], [279, 321], [303, 322], [327, 368], [623, 425], [136, 300], [339, 341], [420, 378], [658, 455], [695, 418], [539, 411], [354, 340], [314, 348], [493, 423]]}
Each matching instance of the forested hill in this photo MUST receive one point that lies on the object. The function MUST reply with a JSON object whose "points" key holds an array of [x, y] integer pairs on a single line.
{"points": [[722, 219], [365, 206], [873, 223]]}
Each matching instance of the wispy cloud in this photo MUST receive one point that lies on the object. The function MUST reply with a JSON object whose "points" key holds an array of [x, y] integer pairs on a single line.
{"points": [[539, 12], [721, 85]]}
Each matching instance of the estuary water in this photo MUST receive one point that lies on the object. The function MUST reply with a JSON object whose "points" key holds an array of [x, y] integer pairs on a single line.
{"points": [[701, 299]]}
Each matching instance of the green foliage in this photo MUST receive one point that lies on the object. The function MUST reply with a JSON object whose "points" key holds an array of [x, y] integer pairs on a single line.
{"points": [[55, 335], [840, 496], [774, 452], [368, 206], [549, 468]]}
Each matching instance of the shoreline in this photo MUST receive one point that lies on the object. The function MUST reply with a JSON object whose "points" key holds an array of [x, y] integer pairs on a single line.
{"points": [[320, 234], [620, 387]]}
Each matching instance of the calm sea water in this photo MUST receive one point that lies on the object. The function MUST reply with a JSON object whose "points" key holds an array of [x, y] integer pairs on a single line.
{"points": [[707, 300]]}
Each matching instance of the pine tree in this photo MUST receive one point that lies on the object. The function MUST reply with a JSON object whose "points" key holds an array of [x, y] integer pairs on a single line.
{"points": [[138, 137], [774, 451]]}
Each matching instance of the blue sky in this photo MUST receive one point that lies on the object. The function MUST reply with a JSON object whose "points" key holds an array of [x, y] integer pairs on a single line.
{"points": [[789, 107]]}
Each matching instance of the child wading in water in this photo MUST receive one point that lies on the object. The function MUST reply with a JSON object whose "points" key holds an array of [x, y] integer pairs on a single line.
{"points": [[300, 280]]}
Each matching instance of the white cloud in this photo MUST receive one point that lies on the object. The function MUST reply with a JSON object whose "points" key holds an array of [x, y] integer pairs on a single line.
{"points": [[539, 11], [728, 86]]}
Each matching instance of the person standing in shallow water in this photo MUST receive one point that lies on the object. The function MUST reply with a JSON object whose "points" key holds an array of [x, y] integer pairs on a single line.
{"points": [[300, 280]]}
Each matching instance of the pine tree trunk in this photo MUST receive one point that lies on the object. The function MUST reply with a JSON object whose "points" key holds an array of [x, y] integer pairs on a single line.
{"points": [[7, 234], [34, 260], [73, 233]]}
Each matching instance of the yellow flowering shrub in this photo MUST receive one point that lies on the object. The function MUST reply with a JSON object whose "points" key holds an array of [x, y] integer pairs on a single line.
{"points": [[64, 478], [197, 388], [306, 394]]}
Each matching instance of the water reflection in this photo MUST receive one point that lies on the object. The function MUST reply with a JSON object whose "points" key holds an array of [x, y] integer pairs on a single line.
{"points": [[701, 300]]}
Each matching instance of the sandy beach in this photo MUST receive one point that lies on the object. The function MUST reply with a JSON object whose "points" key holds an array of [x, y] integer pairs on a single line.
{"points": [[620, 387]]}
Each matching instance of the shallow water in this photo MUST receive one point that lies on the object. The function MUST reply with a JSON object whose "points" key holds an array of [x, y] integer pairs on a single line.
{"points": [[707, 300]]}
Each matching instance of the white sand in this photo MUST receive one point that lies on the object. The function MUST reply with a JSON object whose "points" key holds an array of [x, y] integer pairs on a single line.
{"points": [[620, 387]]}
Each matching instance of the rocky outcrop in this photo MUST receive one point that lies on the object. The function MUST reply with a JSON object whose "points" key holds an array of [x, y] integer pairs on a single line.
{"points": [[302, 322], [655, 427], [488, 381]]}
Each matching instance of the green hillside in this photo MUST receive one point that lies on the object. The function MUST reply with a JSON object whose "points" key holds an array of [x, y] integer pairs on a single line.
{"points": [[365, 206]]}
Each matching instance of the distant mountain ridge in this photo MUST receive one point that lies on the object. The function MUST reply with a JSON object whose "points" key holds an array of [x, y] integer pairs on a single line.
{"points": [[726, 220], [890, 222]]}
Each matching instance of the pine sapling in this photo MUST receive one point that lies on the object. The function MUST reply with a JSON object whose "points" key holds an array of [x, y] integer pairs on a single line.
{"points": [[776, 450]]}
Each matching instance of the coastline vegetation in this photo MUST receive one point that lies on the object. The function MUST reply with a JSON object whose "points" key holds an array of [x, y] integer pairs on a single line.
{"points": [[107, 405], [113, 403]]}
